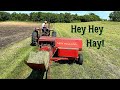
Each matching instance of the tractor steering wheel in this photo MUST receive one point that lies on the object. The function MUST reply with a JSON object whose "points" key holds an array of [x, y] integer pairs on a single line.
{"points": [[46, 33]]}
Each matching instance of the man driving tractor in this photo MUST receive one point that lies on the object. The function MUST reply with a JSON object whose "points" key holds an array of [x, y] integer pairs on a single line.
{"points": [[44, 32], [45, 29], [45, 25]]}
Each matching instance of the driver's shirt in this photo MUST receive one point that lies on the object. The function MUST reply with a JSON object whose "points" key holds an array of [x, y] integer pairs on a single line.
{"points": [[43, 25]]}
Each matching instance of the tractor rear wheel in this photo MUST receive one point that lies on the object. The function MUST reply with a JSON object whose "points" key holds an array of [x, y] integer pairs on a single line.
{"points": [[80, 59], [34, 40], [53, 34]]}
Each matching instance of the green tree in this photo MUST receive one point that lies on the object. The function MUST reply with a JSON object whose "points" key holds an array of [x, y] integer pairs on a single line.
{"points": [[115, 16], [14, 16], [33, 16], [4, 16], [67, 17], [61, 17]]}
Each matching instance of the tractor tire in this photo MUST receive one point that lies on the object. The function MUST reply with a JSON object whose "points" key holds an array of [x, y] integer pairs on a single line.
{"points": [[54, 34], [80, 59], [34, 40]]}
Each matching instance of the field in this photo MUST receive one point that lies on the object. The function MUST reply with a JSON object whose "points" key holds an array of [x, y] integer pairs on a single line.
{"points": [[14, 31], [103, 63]]}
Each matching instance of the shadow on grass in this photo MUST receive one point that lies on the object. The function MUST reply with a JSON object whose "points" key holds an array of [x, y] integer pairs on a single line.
{"points": [[36, 74], [70, 62]]}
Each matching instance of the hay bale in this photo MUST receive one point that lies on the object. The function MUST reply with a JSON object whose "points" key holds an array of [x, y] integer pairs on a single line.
{"points": [[41, 57]]}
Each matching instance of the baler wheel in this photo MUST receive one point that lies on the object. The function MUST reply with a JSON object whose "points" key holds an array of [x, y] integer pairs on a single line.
{"points": [[80, 59]]}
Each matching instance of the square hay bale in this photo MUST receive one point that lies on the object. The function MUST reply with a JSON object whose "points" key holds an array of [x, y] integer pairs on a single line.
{"points": [[40, 57]]}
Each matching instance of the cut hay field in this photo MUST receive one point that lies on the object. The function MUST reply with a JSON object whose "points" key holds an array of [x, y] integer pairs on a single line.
{"points": [[103, 63]]}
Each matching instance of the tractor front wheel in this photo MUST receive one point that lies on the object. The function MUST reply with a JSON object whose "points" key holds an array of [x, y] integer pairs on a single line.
{"points": [[80, 59], [54, 34]]}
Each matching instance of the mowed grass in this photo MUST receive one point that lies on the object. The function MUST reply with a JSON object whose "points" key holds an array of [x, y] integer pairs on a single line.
{"points": [[12, 58], [103, 63]]}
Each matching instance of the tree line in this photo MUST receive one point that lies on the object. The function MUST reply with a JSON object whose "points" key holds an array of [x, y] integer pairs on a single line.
{"points": [[53, 18], [50, 17]]}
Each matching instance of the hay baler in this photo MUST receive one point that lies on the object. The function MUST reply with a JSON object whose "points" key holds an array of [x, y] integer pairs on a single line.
{"points": [[60, 49]]}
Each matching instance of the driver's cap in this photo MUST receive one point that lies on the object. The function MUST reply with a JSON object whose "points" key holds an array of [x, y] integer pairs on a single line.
{"points": [[45, 21]]}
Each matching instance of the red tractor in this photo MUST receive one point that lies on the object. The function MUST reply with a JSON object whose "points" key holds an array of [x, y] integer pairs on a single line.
{"points": [[59, 48]]}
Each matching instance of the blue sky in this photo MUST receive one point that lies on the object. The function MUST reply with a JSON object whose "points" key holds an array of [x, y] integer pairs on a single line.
{"points": [[102, 14]]}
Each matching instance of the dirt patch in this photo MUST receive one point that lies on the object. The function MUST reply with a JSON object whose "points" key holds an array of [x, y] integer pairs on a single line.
{"points": [[10, 33]]}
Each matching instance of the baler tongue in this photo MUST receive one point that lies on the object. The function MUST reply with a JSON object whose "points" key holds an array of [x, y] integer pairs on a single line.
{"points": [[39, 60]]}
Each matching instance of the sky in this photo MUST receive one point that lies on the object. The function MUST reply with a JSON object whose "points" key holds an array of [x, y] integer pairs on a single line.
{"points": [[101, 14]]}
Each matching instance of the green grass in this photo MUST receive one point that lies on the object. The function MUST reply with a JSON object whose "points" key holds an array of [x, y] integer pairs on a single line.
{"points": [[103, 63], [12, 60]]}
